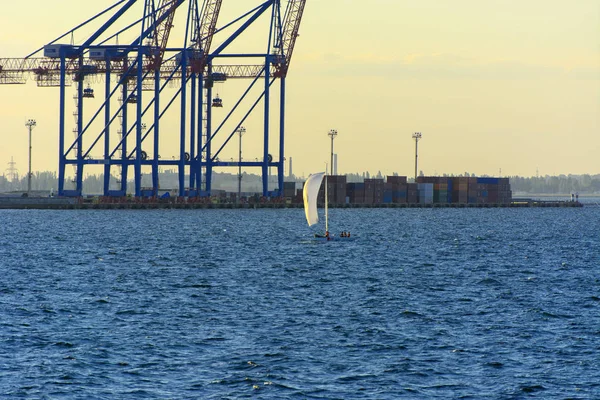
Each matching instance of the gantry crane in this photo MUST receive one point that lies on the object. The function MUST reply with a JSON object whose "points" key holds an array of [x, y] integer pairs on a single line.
{"points": [[149, 63]]}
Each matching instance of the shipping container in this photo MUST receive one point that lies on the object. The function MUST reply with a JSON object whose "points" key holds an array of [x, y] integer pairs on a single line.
{"points": [[387, 196], [425, 187], [289, 189], [425, 193], [440, 196], [399, 197], [459, 197], [390, 186], [488, 181], [412, 197], [398, 180]]}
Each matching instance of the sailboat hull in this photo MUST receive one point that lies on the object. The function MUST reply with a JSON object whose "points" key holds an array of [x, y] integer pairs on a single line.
{"points": [[323, 238]]}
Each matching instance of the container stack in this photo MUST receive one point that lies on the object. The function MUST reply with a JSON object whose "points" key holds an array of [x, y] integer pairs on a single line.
{"points": [[493, 191], [427, 190], [289, 189], [473, 191], [374, 191], [388, 193], [397, 186], [487, 190], [412, 193], [378, 187], [504, 192], [460, 190], [450, 188], [336, 186], [425, 193], [442, 192], [355, 192], [299, 197], [400, 195]]}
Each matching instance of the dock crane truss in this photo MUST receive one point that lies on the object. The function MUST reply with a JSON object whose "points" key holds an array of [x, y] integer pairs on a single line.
{"points": [[144, 65]]}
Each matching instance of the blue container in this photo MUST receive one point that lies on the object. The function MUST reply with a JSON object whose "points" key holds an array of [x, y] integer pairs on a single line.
{"points": [[488, 181], [387, 196]]}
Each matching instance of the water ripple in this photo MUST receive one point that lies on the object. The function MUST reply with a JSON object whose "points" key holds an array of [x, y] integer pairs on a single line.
{"points": [[217, 304]]}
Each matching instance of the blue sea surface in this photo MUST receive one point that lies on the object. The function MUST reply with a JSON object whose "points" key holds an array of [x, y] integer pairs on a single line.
{"points": [[227, 304]]}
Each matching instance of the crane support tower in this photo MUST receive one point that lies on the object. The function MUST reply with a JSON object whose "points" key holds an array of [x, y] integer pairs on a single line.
{"points": [[163, 79]]}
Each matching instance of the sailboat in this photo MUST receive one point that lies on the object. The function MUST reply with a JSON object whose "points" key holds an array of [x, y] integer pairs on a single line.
{"points": [[310, 194]]}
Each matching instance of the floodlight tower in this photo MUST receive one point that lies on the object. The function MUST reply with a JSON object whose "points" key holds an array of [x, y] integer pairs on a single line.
{"points": [[241, 130], [416, 136], [30, 124], [332, 134]]}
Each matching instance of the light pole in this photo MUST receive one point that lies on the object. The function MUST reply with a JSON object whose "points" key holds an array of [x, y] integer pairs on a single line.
{"points": [[241, 130], [29, 124], [416, 136], [332, 134], [284, 166]]}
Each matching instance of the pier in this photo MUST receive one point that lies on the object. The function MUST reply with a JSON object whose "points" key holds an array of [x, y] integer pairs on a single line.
{"points": [[66, 203]]}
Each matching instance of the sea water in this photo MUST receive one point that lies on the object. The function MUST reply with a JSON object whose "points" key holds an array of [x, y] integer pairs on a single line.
{"points": [[211, 304]]}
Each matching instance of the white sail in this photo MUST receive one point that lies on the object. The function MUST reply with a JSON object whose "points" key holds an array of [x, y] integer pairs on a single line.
{"points": [[310, 193]]}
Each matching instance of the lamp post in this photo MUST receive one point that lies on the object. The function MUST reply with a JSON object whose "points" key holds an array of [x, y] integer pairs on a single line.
{"points": [[416, 136], [29, 124], [332, 134], [241, 130]]}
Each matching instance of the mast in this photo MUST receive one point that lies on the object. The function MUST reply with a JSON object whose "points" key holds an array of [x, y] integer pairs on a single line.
{"points": [[326, 202]]}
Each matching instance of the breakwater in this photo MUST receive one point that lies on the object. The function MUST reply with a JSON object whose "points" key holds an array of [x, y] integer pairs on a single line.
{"points": [[128, 204]]}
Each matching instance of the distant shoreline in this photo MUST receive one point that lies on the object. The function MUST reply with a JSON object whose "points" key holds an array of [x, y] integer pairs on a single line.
{"points": [[76, 204], [524, 194]]}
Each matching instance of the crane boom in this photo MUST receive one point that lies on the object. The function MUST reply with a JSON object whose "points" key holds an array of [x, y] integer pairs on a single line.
{"points": [[204, 33], [291, 26], [46, 71], [162, 30]]}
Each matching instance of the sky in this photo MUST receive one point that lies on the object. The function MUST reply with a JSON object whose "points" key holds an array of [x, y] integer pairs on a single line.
{"points": [[496, 87]]}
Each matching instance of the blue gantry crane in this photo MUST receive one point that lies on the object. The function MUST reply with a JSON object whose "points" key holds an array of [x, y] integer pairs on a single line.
{"points": [[138, 78]]}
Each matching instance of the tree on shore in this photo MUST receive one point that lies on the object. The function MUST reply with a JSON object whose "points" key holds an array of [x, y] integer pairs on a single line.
{"points": [[93, 184]]}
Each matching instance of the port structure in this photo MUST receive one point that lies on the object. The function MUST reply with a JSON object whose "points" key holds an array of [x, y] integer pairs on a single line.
{"points": [[148, 62]]}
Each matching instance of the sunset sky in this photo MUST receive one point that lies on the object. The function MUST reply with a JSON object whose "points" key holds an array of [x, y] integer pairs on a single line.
{"points": [[496, 84]]}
